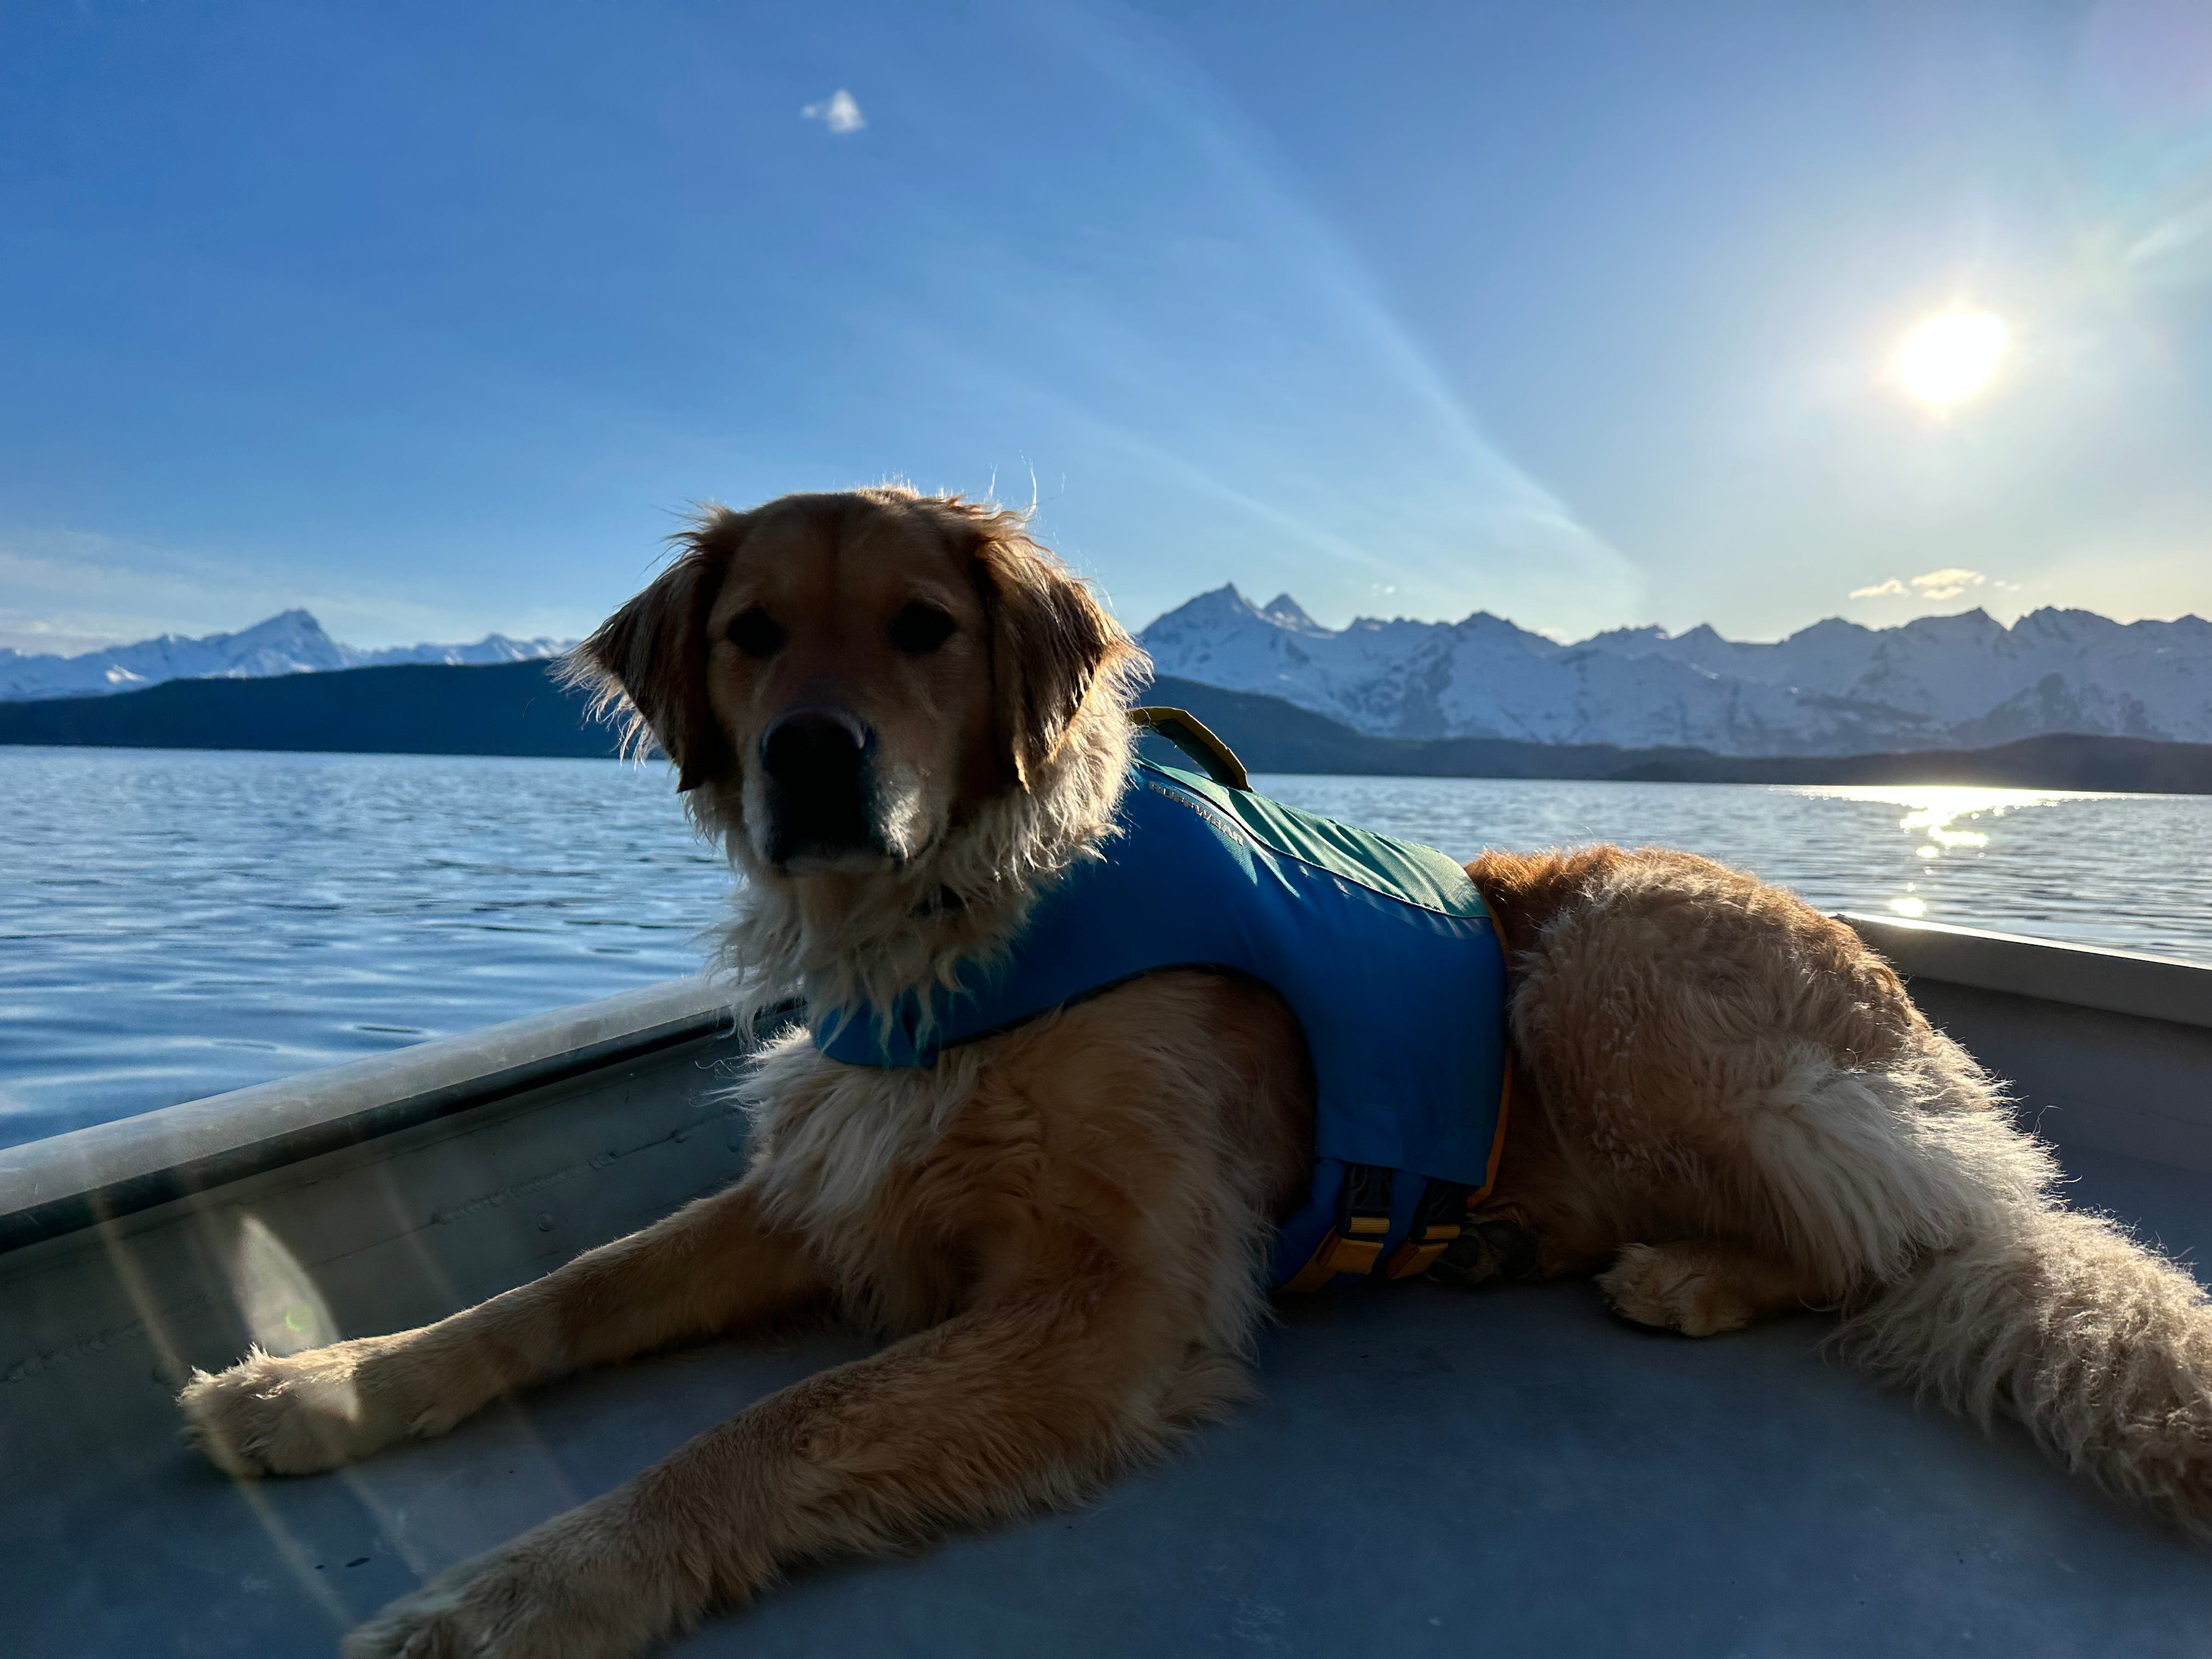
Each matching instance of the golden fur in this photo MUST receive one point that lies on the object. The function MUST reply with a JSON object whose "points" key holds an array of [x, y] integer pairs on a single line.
{"points": [[1726, 1105]]}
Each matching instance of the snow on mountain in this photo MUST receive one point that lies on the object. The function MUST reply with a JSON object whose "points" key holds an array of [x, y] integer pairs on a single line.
{"points": [[1977, 681], [1834, 688], [291, 642], [491, 648]]}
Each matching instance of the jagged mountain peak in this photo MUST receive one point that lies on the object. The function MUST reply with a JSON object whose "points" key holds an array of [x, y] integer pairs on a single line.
{"points": [[1831, 627], [1629, 639], [1284, 609], [1976, 623], [299, 616], [1214, 606]]}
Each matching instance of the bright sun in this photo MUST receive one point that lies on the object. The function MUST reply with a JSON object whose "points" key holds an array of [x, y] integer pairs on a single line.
{"points": [[1951, 357]]}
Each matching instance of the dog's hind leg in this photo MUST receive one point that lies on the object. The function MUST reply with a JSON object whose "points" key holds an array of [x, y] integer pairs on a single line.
{"points": [[1716, 1059], [1713, 1059], [710, 1266]]}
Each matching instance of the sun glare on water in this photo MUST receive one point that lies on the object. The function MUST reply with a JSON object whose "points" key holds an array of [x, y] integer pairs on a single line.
{"points": [[1951, 357]]}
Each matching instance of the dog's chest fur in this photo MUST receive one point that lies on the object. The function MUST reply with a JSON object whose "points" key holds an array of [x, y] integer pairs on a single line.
{"points": [[1159, 1126], [893, 1176]]}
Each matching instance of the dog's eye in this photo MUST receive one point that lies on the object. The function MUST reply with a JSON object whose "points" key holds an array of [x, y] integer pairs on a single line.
{"points": [[918, 629], [755, 633]]}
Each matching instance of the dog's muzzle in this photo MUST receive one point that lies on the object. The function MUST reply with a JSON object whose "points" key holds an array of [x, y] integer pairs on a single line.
{"points": [[820, 767]]}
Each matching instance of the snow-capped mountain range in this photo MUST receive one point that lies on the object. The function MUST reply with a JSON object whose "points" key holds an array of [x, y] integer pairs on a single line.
{"points": [[291, 642], [1835, 687]]}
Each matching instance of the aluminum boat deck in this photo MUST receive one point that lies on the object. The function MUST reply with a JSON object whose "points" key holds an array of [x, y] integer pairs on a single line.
{"points": [[1425, 1472]]}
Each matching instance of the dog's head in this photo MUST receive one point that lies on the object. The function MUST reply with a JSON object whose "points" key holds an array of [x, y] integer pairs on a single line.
{"points": [[841, 680]]}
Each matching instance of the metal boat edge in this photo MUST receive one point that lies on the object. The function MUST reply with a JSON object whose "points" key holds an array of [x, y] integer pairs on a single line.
{"points": [[2052, 970]]}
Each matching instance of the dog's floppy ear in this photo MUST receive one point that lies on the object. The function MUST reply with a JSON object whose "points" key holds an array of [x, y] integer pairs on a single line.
{"points": [[1051, 643], [649, 659]]}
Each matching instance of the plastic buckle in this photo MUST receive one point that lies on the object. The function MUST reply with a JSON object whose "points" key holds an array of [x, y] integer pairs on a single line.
{"points": [[1363, 1223], [1438, 1223]]}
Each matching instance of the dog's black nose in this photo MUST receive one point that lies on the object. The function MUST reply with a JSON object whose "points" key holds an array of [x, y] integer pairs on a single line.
{"points": [[810, 751], [821, 786]]}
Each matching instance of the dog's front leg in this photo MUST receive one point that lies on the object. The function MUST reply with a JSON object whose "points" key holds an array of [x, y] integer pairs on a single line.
{"points": [[1026, 1401], [715, 1264]]}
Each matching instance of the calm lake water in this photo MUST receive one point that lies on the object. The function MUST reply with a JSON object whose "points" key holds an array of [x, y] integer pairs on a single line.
{"points": [[172, 925]]}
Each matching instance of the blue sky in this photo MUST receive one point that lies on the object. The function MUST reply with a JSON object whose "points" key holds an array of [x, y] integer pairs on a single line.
{"points": [[434, 318]]}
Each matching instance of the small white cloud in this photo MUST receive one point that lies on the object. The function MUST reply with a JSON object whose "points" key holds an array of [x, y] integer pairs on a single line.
{"points": [[839, 113], [1948, 584], [1934, 584]]}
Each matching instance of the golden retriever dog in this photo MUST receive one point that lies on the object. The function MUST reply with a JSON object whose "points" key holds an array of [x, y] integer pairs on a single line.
{"points": [[905, 720]]}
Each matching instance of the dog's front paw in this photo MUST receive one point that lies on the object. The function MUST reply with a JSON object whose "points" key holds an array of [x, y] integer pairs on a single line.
{"points": [[555, 1594], [297, 1414]]}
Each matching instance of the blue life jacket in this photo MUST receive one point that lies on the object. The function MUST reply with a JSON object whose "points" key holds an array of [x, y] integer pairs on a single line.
{"points": [[1383, 950]]}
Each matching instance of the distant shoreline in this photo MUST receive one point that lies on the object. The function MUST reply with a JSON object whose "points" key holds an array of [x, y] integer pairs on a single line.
{"points": [[515, 708]]}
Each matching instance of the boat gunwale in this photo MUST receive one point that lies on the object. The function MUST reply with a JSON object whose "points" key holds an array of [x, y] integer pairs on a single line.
{"points": [[67, 1183], [2045, 969]]}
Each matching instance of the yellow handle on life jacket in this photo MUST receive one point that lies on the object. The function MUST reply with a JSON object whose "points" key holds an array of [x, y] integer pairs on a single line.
{"points": [[1188, 733]]}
